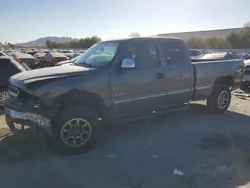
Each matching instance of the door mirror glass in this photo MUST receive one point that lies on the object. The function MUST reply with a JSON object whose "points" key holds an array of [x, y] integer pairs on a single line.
{"points": [[128, 64]]}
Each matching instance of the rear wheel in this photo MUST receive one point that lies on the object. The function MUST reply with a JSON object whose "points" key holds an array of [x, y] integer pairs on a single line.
{"points": [[245, 85], [219, 101], [75, 130]]}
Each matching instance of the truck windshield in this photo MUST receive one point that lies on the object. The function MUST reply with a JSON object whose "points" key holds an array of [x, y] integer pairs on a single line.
{"points": [[99, 55]]}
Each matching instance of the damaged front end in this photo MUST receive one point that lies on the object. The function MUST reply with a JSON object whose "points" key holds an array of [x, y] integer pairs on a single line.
{"points": [[34, 121], [28, 116], [33, 95], [25, 109]]}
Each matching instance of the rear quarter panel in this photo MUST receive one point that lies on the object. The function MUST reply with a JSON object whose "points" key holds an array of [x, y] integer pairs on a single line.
{"points": [[207, 72]]}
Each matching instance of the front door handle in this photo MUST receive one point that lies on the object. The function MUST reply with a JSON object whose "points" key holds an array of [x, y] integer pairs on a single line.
{"points": [[160, 75]]}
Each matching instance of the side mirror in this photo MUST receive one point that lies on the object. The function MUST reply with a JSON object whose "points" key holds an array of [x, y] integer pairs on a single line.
{"points": [[128, 64]]}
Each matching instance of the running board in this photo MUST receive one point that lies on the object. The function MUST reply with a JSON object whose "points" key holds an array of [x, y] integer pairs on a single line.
{"points": [[156, 113]]}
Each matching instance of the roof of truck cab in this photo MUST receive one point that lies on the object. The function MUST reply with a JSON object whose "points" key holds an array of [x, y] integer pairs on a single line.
{"points": [[142, 38]]}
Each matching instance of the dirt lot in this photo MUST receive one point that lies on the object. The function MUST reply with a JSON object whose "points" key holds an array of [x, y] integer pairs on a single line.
{"points": [[211, 150]]}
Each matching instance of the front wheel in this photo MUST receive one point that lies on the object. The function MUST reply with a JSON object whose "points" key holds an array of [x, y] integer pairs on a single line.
{"points": [[75, 130], [220, 99]]}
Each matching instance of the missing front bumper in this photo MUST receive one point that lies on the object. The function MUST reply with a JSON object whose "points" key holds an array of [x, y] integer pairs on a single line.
{"points": [[26, 118]]}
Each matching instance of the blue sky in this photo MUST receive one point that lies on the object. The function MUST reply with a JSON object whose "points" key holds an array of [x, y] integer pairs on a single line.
{"points": [[25, 20]]}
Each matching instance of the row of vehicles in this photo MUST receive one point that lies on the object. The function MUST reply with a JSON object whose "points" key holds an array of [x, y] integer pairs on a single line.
{"points": [[16, 62], [116, 80], [39, 59]]}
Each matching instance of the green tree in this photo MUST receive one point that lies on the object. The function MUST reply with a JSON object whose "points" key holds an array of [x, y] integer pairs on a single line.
{"points": [[74, 44], [48, 44], [196, 42], [81, 43], [247, 24], [217, 43], [240, 39]]}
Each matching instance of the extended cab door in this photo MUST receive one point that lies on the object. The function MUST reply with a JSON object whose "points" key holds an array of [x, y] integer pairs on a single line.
{"points": [[139, 90], [179, 71]]}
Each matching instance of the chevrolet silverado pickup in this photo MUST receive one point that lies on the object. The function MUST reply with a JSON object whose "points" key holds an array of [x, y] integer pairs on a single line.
{"points": [[125, 79]]}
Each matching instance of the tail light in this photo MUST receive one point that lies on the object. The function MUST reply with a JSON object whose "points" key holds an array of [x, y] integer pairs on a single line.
{"points": [[34, 60], [18, 60]]}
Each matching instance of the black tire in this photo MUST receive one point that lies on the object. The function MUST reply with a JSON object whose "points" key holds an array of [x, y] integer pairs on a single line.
{"points": [[213, 100], [59, 124], [246, 84]]}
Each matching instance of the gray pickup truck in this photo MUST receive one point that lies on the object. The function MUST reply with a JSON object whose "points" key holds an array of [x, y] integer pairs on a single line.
{"points": [[115, 80]]}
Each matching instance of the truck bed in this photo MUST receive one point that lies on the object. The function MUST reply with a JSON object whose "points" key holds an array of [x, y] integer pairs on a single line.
{"points": [[207, 72]]}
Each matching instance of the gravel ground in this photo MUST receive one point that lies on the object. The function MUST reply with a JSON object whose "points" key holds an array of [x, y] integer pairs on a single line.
{"points": [[210, 150]]}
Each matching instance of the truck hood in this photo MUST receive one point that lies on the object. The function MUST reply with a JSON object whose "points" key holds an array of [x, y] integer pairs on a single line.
{"points": [[48, 73]]}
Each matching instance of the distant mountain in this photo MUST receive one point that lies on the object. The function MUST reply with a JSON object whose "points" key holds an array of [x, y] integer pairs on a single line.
{"points": [[41, 41]]}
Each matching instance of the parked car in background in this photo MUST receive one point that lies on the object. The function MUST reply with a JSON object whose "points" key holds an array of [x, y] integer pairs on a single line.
{"points": [[246, 56], [82, 51], [31, 52], [9, 52], [74, 55], [208, 51], [52, 58], [8, 67], [220, 56], [68, 55], [246, 78], [28, 59], [195, 54], [2, 54], [67, 61], [117, 80], [40, 57]]}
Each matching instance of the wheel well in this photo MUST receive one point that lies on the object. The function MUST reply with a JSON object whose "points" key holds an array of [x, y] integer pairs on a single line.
{"points": [[225, 80], [89, 100]]}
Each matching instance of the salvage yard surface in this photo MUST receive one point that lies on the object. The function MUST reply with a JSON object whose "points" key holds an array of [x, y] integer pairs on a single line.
{"points": [[210, 150]]}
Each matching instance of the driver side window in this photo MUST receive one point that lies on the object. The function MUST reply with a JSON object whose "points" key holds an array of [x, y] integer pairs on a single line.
{"points": [[143, 53]]}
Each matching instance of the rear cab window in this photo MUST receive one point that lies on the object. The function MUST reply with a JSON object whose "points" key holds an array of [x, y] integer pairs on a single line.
{"points": [[174, 52]]}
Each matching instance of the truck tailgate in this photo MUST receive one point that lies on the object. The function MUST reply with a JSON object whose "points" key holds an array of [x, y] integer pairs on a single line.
{"points": [[207, 72]]}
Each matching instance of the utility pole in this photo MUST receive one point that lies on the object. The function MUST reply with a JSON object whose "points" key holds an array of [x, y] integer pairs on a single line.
{"points": [[67, 38]]}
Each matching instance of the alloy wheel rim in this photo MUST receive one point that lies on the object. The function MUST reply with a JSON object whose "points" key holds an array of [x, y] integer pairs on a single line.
{"points": [[3, 96], [223, 99], [76, 132]]}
